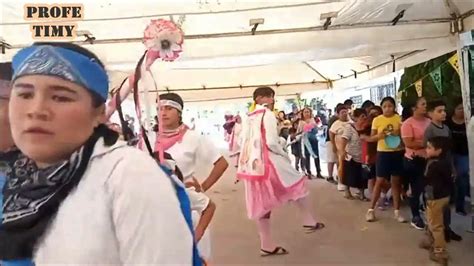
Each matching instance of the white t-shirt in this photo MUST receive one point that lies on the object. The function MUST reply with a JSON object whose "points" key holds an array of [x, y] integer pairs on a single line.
{"points": [[123, 212], [337, 128], [192, 149]]}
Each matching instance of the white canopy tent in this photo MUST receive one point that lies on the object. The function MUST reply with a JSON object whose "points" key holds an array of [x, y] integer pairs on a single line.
{"points": [[292, 50]]}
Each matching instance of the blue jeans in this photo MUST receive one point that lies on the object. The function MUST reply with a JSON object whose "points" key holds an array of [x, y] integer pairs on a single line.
{"points": [[461, 162], [307, 160]]}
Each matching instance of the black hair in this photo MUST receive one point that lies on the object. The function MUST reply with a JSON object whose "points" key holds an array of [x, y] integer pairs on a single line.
{"points": [[337, 106], [341, 107], [292, 130], [388, 99], [358, 112], [263, 91], [378, 108], [173, 97], [97, 100], [440, 143], [409, 108], [407, 112], [367, 104], [6, 71], [348, 102], [457, 101], [418, 100], [435, 103]]}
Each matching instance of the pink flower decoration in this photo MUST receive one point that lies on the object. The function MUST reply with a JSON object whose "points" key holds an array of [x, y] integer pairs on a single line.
{"points": [[163, 39]]}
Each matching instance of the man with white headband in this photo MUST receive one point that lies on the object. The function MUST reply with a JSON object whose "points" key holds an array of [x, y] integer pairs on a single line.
{"points": [[186, 146], [189, 150]]}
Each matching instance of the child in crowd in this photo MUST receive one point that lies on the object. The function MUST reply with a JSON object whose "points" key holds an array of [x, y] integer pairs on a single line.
{"points": [[439, 184], [437, 112], [296, 149], [389, 165]]}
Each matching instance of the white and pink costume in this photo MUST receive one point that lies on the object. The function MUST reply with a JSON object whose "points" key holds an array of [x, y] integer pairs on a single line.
{"points": [[270, 180]]}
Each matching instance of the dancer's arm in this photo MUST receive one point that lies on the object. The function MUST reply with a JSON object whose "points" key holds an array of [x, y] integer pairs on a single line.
{"points": [[205, 220], [206, 153], [205, 207], [217, 171]]}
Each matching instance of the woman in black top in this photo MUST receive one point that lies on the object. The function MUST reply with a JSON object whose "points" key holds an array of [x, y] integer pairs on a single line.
{"points": [[460, 153]]}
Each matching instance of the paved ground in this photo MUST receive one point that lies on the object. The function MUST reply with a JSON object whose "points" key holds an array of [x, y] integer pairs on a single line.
{"points": [[347, 240]]}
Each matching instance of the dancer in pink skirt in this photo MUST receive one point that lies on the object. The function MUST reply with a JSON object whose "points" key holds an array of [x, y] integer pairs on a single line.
{"points": [[270, 180]]}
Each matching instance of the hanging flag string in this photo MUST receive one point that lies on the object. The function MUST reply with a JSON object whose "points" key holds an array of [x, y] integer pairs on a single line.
{"points": [[435, 75]]}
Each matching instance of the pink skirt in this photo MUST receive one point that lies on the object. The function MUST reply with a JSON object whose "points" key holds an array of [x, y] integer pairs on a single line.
{"points": [[265, 195]]}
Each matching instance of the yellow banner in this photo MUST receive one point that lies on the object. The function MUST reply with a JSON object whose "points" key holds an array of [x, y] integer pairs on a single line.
{"points": [[419, 87], [454, 61]]}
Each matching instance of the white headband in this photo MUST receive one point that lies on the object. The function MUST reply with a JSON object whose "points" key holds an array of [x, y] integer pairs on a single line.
{"points": [[171, 104]]}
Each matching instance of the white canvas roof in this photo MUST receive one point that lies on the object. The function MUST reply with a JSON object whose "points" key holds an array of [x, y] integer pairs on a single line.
{"points": [[223, 60]]}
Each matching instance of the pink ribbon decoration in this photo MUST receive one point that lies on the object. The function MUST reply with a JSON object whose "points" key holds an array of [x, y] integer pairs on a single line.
{"points": [[163, 40]]}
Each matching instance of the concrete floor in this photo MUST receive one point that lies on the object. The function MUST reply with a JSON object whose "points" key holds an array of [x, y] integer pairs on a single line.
{"points": [[346, 240]]}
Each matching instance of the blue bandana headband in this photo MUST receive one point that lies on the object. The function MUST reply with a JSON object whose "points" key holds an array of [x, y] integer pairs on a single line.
{"points": [[63, 63]]}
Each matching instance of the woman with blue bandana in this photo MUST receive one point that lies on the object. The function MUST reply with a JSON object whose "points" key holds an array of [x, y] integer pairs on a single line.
{"points": [[77, 195]]}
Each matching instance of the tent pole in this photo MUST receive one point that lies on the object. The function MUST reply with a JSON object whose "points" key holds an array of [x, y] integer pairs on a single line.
{"points": [[236, 98], [167, 15], [316, 71], [261, 32], [235, 87], [465, 64]]}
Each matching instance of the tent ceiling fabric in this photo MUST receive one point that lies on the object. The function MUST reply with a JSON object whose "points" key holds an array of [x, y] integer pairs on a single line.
{"points": [[290, 47]]}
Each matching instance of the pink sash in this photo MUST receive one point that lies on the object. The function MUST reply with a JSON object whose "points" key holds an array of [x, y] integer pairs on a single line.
{"points": [[164, 141]]}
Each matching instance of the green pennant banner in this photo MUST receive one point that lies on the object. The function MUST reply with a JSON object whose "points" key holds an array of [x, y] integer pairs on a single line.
{"points": [[436, 77]]}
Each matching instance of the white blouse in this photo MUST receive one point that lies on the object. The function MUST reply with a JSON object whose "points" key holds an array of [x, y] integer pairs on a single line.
{"points": [[124, 212]]}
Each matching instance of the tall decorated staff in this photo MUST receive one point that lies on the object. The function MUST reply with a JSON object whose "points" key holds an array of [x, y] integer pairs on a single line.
{"points": [[163, 40]]}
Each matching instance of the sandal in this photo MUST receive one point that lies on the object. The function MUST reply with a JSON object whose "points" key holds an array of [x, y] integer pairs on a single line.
{"points": [[349, 197], [364, 199], [276, 251], [313, 228]]}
